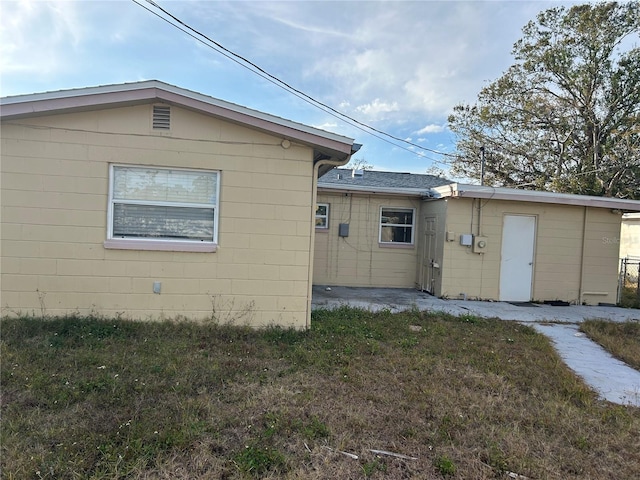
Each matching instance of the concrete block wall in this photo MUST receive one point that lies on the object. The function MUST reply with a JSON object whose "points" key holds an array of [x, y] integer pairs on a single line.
{"points": [[55, 181], [561, 272], [359, 259]]}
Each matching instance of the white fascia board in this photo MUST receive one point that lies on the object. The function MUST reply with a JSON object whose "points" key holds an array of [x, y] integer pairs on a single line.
{"points": [[405, 192], [85, 98], [458, 190]]}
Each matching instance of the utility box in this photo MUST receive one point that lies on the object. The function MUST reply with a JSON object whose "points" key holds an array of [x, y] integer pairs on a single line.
{"points": [[466, 240], [479, 244], [343, 230]]}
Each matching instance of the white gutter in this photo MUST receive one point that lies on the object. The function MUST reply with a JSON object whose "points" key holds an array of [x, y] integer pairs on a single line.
{"points": [[414, 192]]}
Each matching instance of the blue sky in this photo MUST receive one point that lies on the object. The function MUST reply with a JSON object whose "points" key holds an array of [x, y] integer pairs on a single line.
{"points": [[398, 66]]}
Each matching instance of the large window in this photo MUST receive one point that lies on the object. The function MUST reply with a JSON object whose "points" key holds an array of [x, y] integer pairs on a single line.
{"points": [[322, 215], [163, 205], [396, 225]]}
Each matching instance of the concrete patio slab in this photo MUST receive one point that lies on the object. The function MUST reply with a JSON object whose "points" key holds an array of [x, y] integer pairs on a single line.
{"points": [[399, 299]]}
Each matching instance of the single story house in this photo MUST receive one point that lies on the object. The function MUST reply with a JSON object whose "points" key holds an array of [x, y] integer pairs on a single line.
{"points": [[148, 200], [379, 229]]}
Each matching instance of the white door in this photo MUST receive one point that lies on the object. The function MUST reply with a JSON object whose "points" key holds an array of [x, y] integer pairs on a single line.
{"points": [[516, 261]]}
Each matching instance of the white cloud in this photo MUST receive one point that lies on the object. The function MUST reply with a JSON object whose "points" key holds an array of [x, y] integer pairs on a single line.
{"points": [[327, 126], [35, 35], [431, 128], [399, 66], [377, 108]]}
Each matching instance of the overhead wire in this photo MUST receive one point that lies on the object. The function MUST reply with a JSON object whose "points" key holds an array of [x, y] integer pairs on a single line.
{"points": [[256, 69]]}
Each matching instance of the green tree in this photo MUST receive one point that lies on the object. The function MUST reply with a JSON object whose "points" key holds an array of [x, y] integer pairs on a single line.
{"points": [[566, 116]]}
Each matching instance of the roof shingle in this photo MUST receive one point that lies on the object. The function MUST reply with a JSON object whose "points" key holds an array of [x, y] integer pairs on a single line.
{"points": [[372, 178]]}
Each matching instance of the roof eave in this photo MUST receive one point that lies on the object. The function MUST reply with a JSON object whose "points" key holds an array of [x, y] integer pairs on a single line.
{"points": [[405, 192], [456, 190], [154, 91]]}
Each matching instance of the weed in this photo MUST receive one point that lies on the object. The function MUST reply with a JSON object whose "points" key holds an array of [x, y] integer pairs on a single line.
{"points": [[314, 429], [444, 465], [408, 342], [41, 302], [468, 318], [372, 467], [257, 461], [496, 458], [224, 311], [582, 443]]}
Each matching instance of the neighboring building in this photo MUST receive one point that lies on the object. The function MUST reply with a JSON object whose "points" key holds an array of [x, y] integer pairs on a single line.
{"points": [[630, 236], [149, 201], [465, 241]]}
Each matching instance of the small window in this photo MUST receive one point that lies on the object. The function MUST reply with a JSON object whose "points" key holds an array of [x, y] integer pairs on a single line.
{"points": [[163, 204], [396, 225], [322, 215]]}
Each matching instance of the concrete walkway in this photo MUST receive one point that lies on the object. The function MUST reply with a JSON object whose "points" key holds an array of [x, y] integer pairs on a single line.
{"points": [[612, 379]]}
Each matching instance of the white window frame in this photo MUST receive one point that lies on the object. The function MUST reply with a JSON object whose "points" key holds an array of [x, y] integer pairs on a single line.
{"points": [[164, 244], [326, 216], [403, 225]]}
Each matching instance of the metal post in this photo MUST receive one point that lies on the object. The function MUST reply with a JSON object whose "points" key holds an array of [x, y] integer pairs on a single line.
{"points": [[482, 165], [621, 278], [638, 283]]}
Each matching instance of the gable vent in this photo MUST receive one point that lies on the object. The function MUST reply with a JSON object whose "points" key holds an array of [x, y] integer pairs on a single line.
{"points": [[161, 117]]}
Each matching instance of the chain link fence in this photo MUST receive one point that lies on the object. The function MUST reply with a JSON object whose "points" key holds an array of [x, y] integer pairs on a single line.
{"points": [[629, 283]]}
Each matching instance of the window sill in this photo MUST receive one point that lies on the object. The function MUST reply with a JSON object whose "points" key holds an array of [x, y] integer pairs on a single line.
{"points": [[406, 246], [322, 230], [160, 245]]}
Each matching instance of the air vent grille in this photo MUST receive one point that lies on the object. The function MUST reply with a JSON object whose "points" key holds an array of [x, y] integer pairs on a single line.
{"points": [[161, 117]]}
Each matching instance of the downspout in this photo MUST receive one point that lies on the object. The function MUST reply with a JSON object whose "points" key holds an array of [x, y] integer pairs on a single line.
{"points": [[582, 255], [482, 185], [317, 163]]}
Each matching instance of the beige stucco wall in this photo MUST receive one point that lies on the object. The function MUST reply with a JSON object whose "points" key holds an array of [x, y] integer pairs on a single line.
{"points": [[359, 259], [561, 271], [54, 219]]}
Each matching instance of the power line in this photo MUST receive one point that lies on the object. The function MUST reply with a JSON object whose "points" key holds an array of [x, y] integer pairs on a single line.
{"points": [[256, 69]]}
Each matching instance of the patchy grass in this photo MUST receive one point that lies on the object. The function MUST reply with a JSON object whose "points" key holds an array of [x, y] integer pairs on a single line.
{"points": [[108, 399], [622, 340]]}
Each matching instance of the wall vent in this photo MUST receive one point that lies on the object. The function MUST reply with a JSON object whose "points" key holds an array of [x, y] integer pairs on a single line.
{"points": [[161, 117]]}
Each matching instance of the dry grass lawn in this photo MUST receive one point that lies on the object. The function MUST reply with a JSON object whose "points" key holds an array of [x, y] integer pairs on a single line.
{"points": [[622, 340], [464, 398]]}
